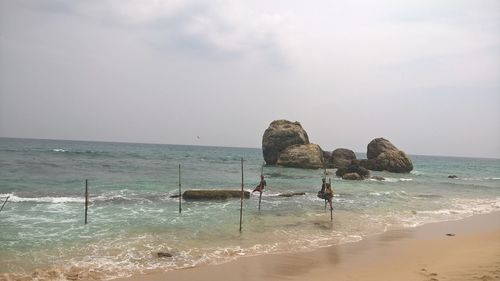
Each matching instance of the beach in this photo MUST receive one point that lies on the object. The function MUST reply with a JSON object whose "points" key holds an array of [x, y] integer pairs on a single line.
{"points": [[467, 249], [132, 217]]}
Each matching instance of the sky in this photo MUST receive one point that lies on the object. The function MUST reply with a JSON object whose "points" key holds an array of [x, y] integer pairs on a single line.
{"points": [[424, 74]]}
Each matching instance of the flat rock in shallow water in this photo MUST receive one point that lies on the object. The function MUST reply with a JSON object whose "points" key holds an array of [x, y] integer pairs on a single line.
{"points": [[352, 176], [164, 255], [213, 194], [290, 194]]}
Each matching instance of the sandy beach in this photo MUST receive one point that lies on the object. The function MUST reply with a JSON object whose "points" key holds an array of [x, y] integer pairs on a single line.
{"points": [[468, 249]]}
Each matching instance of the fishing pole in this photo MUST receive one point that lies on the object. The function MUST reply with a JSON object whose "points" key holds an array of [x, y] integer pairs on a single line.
{"points": [[4, 202]]}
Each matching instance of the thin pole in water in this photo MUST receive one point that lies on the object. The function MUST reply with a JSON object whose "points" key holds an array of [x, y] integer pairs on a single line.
{"points": [[324, 175], [4, 202], [331, 199], [86, 199], [241, 195], [180, 193], [261, 174]]}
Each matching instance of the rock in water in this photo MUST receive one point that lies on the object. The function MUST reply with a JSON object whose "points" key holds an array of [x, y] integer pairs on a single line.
{"points": [[383, 155], [353, 168], [379, 178], [352, 176], [290, 194], [342, 157], [280, 135], [307, 156], [164, 255], [213, 194], [377, 146]]}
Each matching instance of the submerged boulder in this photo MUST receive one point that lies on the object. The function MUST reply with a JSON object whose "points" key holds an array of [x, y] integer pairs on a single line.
{"points": [[352, 176], [342, 157], [213, 194], [280, 135], [308, 156], [290, 194], [353, 168], [384, 156]]}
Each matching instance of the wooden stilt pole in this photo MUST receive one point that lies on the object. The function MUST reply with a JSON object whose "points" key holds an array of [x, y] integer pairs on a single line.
{"points": [[260, 198], [86, 199], [241, 196], [180, 192], [261, 174], [331, 199], [4, 202], [324, 176]]}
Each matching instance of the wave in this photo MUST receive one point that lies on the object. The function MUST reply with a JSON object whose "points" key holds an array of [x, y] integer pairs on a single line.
{"points": [[394, 179], [46, 199], [460, 208], [111, 197]]}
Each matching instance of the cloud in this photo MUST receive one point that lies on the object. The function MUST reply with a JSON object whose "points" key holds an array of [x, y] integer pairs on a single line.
{"points": [[205, 30]]}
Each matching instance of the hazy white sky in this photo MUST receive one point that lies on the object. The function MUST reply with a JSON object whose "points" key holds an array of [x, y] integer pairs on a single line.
{"points": [[424, 74]]}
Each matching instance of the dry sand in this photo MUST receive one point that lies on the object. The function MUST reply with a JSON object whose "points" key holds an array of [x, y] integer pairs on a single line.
{"points": [[422, 253]]}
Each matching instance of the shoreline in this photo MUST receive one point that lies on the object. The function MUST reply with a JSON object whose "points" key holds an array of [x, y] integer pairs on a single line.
{"points": [[466, 249]]}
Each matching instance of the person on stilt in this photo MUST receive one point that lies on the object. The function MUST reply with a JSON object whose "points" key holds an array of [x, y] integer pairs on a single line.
{"points": [[260, 187], [326, 192]]}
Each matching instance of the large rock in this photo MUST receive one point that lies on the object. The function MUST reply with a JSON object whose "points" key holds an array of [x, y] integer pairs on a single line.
{"points": [[308, 156], [342, 157], [384, 156], [280, 135], [213, 194], [377, 146]]}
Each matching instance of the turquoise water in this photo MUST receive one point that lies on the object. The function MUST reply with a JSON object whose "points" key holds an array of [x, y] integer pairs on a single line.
{"points": [[131, 216]]}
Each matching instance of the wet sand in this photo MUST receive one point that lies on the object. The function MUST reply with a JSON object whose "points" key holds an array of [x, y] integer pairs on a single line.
{"points": [[468, 249]]}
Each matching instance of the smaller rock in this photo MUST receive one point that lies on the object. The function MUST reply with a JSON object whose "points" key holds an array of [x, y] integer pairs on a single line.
{"points": [[450, 234], [342, 158], [290, 194], [379, 178], [452, 176], [164, 255], [175, 196], [352, 176], [353, 168]]}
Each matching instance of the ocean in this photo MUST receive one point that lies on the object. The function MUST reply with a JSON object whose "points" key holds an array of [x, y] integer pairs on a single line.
{"points": [[131, 216]]}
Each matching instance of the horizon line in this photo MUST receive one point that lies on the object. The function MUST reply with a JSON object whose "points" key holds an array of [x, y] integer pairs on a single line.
{"points": [[206, 145]]}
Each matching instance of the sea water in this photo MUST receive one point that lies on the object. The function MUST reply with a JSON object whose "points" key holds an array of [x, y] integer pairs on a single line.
{"points": [[131, 216]]}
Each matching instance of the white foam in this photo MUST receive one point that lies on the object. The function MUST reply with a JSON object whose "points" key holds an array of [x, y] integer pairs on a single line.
{"points": [[55, 200], [397, 179], [58, 150]]}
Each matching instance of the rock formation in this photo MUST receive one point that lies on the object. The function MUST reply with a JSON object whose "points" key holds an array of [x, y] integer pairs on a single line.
{"points": [[308, 156], [287, 143], [280, 135], [342, 157], [384, 156]]}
